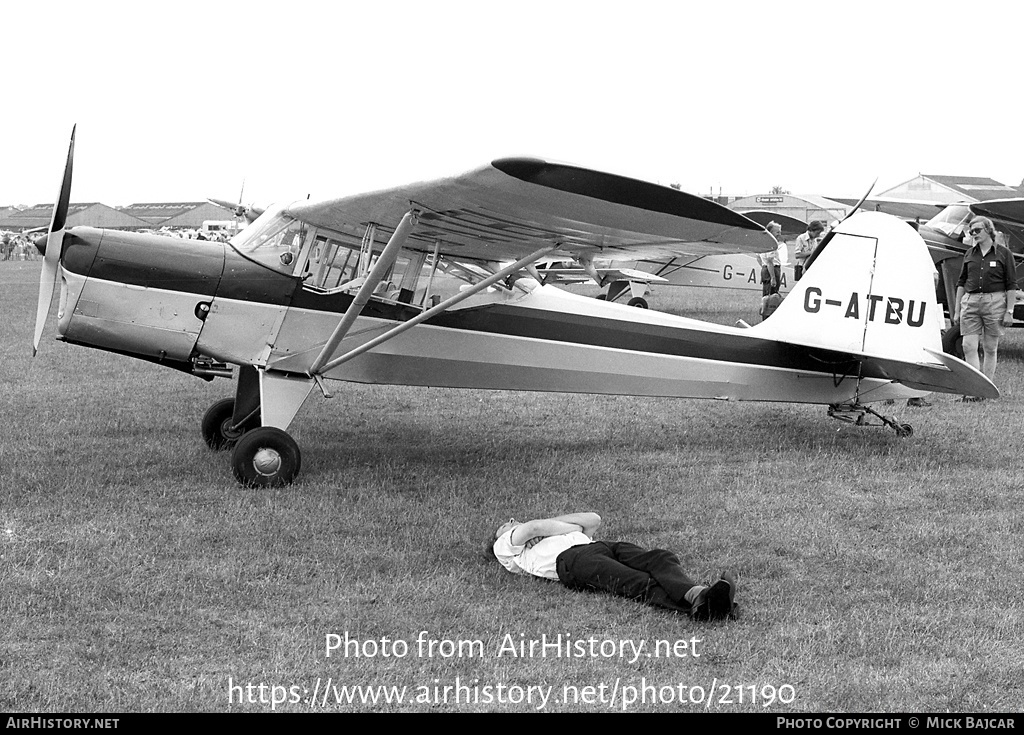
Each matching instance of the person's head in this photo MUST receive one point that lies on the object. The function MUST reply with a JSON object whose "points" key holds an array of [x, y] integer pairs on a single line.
{"points": [[505, 528], [775, 228], [815, 228], [498, 533], [980, 228]]}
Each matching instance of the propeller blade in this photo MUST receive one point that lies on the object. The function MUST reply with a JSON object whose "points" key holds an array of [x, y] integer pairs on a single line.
{"points": [[828, 238], [54, 242], [862, 200]]}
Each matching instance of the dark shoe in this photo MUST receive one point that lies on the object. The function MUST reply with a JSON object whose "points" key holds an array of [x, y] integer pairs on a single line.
{"points": [[918, 402], [716, 602]]}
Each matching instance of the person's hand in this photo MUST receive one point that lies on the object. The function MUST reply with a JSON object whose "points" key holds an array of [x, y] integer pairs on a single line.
{"points": [[533, 542], [1008, 319]]}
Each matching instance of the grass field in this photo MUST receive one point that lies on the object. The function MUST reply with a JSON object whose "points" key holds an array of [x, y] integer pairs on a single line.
{"points": [[877, 574]]}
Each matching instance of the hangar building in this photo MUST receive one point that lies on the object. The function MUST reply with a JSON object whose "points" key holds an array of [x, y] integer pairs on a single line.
{"points": [[92, 214], [803, 208], [951, 189]]}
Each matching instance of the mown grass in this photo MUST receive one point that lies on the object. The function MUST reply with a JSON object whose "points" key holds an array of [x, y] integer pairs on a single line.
{"points": [[877, 574]]}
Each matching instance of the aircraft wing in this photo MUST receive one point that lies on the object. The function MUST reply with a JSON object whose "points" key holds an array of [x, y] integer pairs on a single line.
{"points": [[1006, 210], [509, 208], [580, 275]]}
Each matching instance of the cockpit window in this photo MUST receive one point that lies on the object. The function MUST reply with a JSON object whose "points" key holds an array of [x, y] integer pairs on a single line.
{"points": [[952, 220], [274, 239]]}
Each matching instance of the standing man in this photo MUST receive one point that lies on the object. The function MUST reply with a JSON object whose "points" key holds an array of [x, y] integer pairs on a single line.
{"points": [[563, 549], [985, 295], [771, 272], [805, 245]]}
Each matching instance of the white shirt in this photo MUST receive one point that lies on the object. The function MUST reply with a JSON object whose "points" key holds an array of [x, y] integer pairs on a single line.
{"points": [[805, 245], [538, 560]]}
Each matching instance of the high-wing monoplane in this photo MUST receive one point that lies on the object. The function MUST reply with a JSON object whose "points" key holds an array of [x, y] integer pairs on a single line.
{"points": [[413, 286]]}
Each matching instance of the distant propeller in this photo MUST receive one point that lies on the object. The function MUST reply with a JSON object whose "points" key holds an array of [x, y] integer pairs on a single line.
{"points": [[249, 214], [54, 242], [828, 238]]}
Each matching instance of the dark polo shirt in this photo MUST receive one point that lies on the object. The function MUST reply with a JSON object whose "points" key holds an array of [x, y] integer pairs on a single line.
{"points": [[991, 273]]}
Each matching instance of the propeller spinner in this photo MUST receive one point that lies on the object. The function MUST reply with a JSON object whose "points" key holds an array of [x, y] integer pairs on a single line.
{"points": [[54, 242]]}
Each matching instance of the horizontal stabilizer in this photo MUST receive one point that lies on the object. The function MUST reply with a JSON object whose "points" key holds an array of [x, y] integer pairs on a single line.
{"points": [[952, 376]]}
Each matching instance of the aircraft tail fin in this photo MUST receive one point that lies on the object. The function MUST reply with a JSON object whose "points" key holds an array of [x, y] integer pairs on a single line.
{"points": [[871, 293]]}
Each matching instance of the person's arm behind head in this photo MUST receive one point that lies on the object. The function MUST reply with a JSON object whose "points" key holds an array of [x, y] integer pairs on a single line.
{"points": [[586, 523]]}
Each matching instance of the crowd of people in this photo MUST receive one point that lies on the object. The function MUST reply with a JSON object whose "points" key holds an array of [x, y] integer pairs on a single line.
{"points": [[15, 246]]}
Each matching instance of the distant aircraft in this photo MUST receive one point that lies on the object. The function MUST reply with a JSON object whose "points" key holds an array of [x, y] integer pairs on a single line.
{"points": [[406, 286]]}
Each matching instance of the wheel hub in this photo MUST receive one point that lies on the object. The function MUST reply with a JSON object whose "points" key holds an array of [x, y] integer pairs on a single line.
{"points": [[267, 462], [227, 432]]}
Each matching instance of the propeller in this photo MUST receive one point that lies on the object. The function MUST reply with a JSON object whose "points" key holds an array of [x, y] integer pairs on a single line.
{"points": [[828, 238], [239, 210], [54, 242]]}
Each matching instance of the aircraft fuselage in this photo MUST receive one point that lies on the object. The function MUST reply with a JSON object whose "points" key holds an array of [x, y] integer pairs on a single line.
{"points": [[170, 300]]}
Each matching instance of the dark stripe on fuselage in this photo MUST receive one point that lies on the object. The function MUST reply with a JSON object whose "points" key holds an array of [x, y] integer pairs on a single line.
{"points": [[583, 329], [621, 190], [140, 259]]}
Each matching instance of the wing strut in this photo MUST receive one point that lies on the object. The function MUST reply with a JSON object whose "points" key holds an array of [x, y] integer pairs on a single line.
{"points": [[373, 278], [429, 313]]}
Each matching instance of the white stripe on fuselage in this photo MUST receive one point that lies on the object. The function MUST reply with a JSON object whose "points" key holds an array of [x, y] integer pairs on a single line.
{"points": [[430, 355]]}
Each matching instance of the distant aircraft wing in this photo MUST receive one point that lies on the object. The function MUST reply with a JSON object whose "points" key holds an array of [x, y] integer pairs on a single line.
{"points": [[1008, 210], [580, 275], [506, 210]]}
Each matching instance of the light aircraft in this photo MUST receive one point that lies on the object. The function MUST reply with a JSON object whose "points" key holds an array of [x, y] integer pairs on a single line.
{"points": [[405, 286], [635, 278]]}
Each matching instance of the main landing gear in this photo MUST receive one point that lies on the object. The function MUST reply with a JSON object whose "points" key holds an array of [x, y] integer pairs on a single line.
{"points": [[860, 415], [261, 456]]}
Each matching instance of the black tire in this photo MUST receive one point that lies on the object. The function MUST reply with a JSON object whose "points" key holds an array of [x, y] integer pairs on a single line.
{"points": [[952, 342], [217, 423], [904, 431], [637, 302], [266, 457]]}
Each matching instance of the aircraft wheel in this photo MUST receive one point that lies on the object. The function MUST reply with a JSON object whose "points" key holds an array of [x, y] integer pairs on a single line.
{"points": [[904, 430], [266, 457], [217, 423], [953, 342], [637, 302]]}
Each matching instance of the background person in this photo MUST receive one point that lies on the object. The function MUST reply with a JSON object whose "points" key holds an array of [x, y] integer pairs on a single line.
{"points": [[563, 549], [805, 245], [985, 296], [771, 272]]}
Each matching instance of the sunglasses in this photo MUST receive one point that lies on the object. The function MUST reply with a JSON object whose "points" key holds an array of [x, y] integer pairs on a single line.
{"points": [[976, 231]]}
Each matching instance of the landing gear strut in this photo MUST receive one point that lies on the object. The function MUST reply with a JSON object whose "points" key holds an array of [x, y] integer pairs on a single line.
{"points": [[859, 414]]}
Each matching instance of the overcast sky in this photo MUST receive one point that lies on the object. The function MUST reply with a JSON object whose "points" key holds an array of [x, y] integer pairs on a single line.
{"points": [[185, 100]]}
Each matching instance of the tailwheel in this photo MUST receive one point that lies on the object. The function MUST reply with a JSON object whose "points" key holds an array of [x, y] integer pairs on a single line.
{"points": [[266, 457], [638, 302], [860, 415], [219, 429]]}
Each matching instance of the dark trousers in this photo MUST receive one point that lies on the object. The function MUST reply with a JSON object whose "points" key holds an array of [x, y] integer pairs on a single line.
{"points": [[766, 280], [651, 576]]}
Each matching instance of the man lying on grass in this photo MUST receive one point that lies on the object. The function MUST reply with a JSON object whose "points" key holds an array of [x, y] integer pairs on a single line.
{"points": [[563, 548]]}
